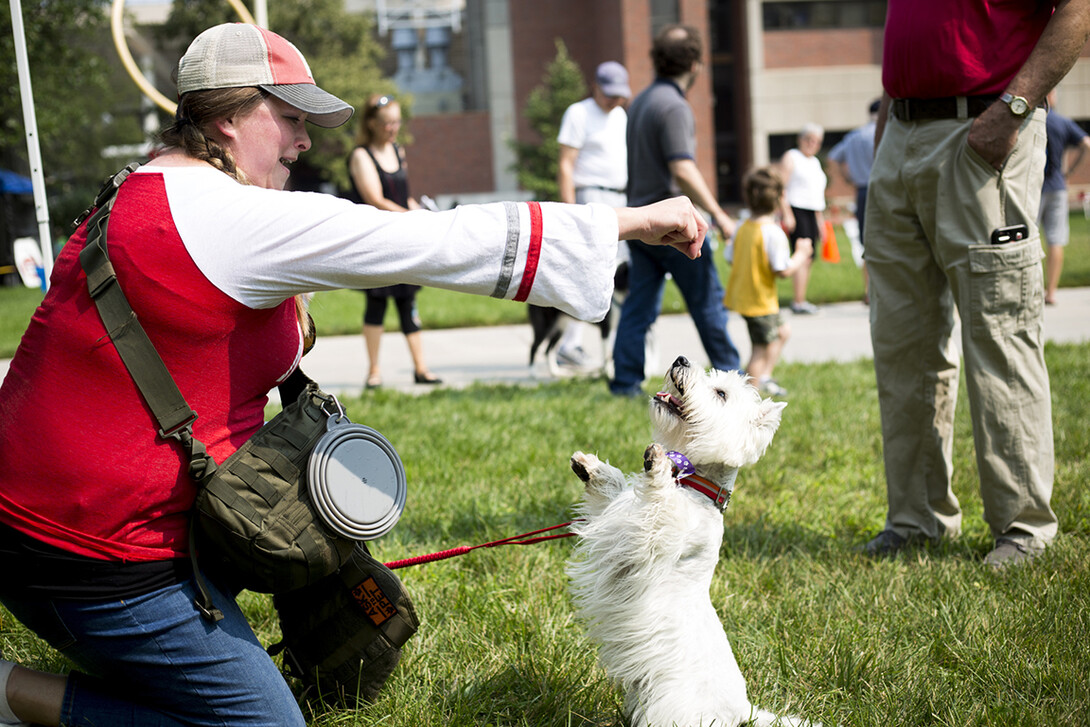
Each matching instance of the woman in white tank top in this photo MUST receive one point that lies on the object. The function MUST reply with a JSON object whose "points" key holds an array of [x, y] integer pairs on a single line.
{"points": [[804, 197]]}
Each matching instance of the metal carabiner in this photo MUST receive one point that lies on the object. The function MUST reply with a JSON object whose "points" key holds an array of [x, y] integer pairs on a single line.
{"points": [[336, 416]]}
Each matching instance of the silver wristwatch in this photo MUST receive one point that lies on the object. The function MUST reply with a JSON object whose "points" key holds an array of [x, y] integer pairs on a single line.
{"points": [[1018, 105]]}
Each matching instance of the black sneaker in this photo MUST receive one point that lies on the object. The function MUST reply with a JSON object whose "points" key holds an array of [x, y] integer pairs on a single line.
{"points": [[886, 543]]}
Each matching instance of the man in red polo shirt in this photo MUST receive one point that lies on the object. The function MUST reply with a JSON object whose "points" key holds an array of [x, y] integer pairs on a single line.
{"points": [[960, 154]]}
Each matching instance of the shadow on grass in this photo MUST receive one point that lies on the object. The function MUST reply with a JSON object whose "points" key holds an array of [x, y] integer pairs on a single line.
{"points": [[760, 539], [478, 523], [526, 694]]}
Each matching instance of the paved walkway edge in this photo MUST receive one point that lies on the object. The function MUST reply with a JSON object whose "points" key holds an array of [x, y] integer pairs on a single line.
{"points": [[500, 354]]}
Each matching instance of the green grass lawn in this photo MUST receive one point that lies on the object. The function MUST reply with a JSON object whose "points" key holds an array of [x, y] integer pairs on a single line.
{"points": [[341, 311], [931, 637]]}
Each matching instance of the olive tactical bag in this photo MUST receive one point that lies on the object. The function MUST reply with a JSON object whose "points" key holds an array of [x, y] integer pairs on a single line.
{"points": [[254, 519], [343, 635]]}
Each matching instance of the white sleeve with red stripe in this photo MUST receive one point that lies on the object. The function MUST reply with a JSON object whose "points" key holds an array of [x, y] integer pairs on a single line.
{"points": [[262, 246]]}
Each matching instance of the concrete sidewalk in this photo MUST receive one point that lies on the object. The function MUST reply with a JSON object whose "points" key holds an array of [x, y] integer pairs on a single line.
{"points": [[500, 354]]}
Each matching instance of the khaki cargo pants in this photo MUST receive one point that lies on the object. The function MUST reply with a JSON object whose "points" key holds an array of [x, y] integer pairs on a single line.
{"points": [[931, 207]]}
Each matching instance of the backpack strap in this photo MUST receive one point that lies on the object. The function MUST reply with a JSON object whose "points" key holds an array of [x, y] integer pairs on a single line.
{"points": [[174, 415], [149, 373]]}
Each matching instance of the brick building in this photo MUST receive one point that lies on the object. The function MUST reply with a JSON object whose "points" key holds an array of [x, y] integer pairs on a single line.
{"points": [[771, 66]]}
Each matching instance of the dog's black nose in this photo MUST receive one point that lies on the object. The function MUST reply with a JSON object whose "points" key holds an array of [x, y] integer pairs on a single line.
{"points": [[681, 362]]}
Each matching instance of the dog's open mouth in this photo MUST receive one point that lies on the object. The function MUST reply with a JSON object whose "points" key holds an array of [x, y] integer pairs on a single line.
{"points": [[671, 402]]}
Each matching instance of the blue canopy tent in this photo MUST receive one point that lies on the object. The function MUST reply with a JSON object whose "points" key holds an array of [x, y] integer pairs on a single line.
{"points": [[16, 220], [12, 183]]}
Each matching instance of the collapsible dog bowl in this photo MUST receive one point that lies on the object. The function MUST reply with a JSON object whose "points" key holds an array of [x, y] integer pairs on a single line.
{"points": [[356, 481]]}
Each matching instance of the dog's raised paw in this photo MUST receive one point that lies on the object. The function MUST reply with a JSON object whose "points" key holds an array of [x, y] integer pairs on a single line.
{"points": [[583, 464], [653, 452]]}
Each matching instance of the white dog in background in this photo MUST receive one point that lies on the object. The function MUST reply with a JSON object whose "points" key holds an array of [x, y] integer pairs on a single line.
{"points": [[649, 542]]}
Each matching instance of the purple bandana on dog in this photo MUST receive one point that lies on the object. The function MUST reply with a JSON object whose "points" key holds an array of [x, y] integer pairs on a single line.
{"points": [[686, 476], [682, 465]]}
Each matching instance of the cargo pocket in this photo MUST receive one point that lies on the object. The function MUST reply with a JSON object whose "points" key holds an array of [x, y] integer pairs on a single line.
{"points": [[1006, 287]]}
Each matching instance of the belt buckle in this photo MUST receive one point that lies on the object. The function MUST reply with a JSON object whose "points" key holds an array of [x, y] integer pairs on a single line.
{"points": [[961, 107], [902, 109]]}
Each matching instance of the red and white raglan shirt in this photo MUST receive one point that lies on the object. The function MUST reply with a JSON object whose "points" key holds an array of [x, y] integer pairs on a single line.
{"points": [[210, 267]]}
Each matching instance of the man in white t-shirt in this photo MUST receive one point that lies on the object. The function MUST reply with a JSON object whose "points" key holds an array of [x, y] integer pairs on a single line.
{"points": [[593, 152], [593, 165]]}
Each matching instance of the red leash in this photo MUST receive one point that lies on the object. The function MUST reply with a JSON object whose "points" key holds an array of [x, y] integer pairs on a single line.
{"points": [[684, 473], [523, 539]]}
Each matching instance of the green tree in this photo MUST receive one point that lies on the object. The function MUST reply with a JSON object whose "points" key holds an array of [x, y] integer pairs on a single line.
{"points": [[561, 86], [79, 105], [85, 101]]}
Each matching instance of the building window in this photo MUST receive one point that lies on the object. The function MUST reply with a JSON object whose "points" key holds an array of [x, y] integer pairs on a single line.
{"points": [[663, 13], [824, 14]]}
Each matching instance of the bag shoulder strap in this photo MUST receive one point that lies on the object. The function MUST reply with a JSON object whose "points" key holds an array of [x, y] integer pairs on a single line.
{"points": [[149, 373]]}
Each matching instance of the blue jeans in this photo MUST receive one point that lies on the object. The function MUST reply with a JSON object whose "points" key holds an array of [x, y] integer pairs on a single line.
{"points": [[699, 283], [156, 661]]}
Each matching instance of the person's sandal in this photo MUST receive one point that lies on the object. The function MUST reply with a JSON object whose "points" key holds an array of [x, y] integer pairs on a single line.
{"points": [[428, 378]]}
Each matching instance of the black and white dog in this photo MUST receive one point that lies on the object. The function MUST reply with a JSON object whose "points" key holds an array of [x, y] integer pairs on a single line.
{"points": [[549, 324]]}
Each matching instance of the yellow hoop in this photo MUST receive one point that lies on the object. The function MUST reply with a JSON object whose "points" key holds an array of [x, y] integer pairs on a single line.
{"points": [[117, 12]]}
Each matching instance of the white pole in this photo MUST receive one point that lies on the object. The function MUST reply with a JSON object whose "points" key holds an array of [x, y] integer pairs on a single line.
{"points": [[261, 13], [34, 152]]}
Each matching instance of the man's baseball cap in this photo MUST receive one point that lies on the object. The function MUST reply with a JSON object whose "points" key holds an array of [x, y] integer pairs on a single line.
{"points": [[235, 55], [612, 78]]}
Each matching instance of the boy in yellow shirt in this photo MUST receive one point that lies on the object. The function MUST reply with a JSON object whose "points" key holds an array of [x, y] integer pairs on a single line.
{"points": [[758, 254]]}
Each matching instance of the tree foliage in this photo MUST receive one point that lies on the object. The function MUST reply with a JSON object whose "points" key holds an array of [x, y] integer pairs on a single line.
{"points": [[79, 104], [561, 86]]}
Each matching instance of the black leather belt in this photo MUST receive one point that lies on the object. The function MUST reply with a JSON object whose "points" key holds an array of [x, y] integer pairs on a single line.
{"points": [[929, 109]]}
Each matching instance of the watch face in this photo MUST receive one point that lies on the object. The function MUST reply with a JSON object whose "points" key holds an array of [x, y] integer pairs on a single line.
{"points": [[1019, 106]]}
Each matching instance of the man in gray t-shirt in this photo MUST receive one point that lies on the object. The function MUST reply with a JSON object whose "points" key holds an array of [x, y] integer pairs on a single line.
{"points": [[662, 164], [664, 132]]}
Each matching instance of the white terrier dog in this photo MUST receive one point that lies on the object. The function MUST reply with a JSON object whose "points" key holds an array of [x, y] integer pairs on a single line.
{"points": [[649, 543]]}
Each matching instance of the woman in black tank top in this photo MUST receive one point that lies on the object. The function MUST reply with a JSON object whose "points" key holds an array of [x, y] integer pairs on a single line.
{"points": [[379, 178]]}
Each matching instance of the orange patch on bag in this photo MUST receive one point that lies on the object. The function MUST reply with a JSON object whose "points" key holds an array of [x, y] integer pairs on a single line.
{"points": [[373, 601]]}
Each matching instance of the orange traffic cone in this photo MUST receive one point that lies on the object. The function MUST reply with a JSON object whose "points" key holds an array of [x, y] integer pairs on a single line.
{"points": [[830, 252]]}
